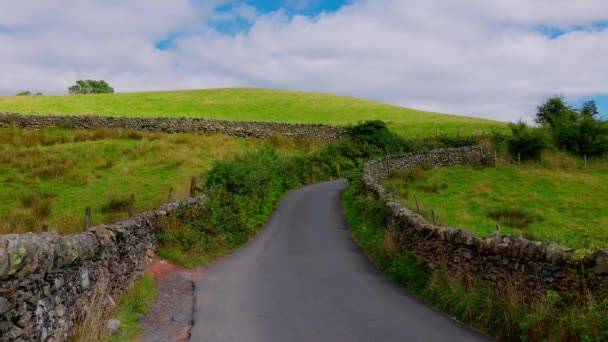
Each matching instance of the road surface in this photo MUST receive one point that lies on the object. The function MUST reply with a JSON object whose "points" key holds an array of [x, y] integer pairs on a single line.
{"points": [[305, 279]]}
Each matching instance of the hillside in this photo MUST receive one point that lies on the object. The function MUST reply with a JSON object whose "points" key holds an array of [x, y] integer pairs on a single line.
{"points": [[251, 104]]}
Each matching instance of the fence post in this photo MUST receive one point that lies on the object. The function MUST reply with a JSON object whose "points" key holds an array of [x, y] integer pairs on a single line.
{"points": [[131, 205], [170, 197], [417, 204], [518, 159], [498, 227], [434, 218], [193, 187], [87, 219], [585, 156], [388, 167]]}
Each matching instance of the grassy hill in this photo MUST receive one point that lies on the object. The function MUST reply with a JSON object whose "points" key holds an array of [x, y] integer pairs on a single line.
{"points": [[251, 104]]}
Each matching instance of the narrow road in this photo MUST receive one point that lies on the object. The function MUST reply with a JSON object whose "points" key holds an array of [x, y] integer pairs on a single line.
{"points": [[305, 279]]}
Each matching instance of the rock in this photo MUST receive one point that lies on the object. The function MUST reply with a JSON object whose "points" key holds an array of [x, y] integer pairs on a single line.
{"points": [[601, 266], [5, 305], [113, 326]]}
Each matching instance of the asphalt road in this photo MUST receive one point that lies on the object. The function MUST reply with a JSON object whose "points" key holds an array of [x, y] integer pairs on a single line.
{"points": [[305, 279]]}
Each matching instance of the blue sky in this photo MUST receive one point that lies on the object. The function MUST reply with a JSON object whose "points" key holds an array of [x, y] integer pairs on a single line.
{"points": [[302, 7], [494, 59], [309, 8], [601, 101]]}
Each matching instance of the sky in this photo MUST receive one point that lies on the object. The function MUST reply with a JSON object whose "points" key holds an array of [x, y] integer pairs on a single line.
{"points": [[493, 59]]}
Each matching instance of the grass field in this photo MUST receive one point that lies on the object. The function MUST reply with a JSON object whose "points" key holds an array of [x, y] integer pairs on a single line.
{"points": [[565, 206], [49, 176], [252, 104]]}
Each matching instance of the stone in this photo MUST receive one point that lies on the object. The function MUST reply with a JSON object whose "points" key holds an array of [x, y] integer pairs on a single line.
{"points": [[113, 326], [5, 305], [601, 266]]}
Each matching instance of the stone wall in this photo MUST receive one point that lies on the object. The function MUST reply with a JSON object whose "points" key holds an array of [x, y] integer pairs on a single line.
{"points": [[532, 267], [254, 129], [49, 281]]}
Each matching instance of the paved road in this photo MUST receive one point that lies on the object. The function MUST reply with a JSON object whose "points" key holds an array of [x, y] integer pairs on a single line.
{"points": [[305, 279]]}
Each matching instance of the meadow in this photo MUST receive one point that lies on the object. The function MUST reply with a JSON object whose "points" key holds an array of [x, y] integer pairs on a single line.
{"points": [[254, 104], [567, 206], [50, 176]]}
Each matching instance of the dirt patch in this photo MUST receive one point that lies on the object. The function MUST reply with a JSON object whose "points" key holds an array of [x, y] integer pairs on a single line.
{"points": [[170, 319]]}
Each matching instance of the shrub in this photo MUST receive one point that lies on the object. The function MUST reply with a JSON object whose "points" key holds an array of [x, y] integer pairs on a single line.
{"points": [[528, 141], [116, 205], [513, 217]]}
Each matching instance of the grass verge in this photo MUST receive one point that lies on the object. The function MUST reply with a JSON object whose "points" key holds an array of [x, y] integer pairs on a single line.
{"points": [[135, 302], [502, 315]]}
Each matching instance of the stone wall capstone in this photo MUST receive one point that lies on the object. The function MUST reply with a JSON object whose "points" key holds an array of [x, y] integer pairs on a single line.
{"points": [[532, 267], [48, 282], [254, 129]]}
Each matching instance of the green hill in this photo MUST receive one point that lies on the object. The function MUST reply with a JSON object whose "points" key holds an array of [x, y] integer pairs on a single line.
{"points": [[251, 104]]}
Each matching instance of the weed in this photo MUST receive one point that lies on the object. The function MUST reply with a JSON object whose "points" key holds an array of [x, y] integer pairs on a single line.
{"points": [[116, 205], [513, 217], [432, 188]]}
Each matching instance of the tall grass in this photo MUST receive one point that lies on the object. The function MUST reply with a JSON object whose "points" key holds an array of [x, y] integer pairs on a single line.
{"points": [[49, 176]]}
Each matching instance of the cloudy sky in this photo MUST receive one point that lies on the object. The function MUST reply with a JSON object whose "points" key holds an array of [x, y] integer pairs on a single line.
{"points": [[495, 59]]}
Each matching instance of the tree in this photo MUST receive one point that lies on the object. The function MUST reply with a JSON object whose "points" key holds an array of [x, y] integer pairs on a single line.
{"points": [[529, 141], [573, 130], [589, 109], [91, 87], [28, 93]]}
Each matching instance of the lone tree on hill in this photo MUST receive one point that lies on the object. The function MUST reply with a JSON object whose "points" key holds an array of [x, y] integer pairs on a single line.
{"points": [[91, 87]]}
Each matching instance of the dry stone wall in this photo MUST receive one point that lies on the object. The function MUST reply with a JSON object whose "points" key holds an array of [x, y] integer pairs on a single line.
{"points": [[48, 282], [503, 262], [254, 129]]}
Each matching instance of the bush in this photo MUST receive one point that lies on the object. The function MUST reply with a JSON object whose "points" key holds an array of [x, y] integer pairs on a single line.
{"points": [[90, 87], [376, 139], [528, 141]]}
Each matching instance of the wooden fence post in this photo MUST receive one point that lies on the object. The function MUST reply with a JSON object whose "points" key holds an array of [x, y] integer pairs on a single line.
{"points": [[585, 157], [434, 217], [518, 159], [417, 204], [87, 219], [193, 187], [131, 205], [170, 197]]}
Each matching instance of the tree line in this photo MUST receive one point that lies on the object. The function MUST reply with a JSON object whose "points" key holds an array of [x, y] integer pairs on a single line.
{"points": [[561, 127], [81, 87]]}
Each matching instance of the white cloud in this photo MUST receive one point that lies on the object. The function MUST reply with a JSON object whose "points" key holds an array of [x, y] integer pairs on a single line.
{"points": [[472, 57]]}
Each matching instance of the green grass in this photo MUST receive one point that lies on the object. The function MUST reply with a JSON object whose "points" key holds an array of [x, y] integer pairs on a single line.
{"points": [[563, 205], [50, 176], [252, 104], [136, 301]]}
